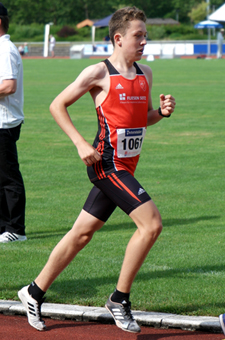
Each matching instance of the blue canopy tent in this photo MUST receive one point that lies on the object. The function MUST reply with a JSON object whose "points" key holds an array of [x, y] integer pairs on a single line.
{"points": [[208, 24], [101, 23]]}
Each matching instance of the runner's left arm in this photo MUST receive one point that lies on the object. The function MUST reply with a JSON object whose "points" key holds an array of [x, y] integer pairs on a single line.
{"points": [[167, 103]]}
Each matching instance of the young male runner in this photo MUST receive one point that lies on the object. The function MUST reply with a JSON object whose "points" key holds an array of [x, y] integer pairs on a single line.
{"points": [[121, 91]]}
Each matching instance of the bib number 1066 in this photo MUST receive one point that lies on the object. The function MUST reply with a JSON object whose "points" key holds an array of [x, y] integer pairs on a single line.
{"points": [[129, 142]]}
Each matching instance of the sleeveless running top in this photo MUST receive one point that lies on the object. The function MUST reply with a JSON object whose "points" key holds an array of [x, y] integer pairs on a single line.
{"points": [[122, 123]]}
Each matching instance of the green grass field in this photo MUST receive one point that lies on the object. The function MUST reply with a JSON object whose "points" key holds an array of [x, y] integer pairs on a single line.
{"points": [[181, 167]]}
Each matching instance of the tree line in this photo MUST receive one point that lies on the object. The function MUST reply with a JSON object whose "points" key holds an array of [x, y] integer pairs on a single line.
{"points": [[71, 12]]}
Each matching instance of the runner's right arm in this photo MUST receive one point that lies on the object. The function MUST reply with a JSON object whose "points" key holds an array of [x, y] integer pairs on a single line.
{"points": [[88, 79]]}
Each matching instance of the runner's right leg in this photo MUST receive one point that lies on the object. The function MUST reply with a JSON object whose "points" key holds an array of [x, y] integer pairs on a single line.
{"points": [[64, 252]]}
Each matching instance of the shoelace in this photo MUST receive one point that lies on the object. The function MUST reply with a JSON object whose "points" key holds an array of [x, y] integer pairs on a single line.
{"points": [[127, 308]]}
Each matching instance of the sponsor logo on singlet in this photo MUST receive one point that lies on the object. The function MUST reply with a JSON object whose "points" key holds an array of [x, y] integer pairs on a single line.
{"points": [[122, 96], [119, 87], [142, 84], [134, 99]]}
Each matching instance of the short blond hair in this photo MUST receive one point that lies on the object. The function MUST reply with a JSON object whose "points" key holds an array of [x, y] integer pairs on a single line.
{"points": [[121, 19]]}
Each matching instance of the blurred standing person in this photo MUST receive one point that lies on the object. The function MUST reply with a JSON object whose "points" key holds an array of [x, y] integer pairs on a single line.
{"points": [[220, 43], [12, 191], [52, 45], [21, 50], [26, 50]]}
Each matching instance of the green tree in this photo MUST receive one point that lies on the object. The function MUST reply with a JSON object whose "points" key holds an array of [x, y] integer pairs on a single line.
{"points": [[70, 12], [198, 13]]}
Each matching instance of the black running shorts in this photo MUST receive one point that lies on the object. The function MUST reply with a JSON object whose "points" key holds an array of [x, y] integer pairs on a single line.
{"points": [[120, 189]]}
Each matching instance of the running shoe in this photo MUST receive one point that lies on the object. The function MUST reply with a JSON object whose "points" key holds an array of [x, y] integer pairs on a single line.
{"points": [[222, 322], [7, 237], [122, 315], [33, 309]]}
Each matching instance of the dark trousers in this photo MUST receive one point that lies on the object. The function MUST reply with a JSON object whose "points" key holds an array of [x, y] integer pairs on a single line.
{"points": [[12, 191]]}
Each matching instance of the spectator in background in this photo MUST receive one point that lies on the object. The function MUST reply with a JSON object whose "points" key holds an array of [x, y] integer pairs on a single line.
{"points": [[52, 45], [107, 38], [12, 191], [21, 50], [220, 43], [26, 51]]}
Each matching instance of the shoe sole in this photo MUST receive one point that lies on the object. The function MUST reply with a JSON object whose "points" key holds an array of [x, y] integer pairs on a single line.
{"points": [[10, 241], [24, 302], [118, 324]]}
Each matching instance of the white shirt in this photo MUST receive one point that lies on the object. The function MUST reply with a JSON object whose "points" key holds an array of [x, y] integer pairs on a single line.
{"points": [[52, 41], [219, 38], [11, 67]]}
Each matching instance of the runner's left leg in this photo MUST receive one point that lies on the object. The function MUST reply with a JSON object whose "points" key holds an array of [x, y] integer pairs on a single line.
{"points": [[149, 225]]}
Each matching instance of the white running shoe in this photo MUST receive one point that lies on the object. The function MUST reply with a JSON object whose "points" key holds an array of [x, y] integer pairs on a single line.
{"points": [[7, 237], [33, 309]]}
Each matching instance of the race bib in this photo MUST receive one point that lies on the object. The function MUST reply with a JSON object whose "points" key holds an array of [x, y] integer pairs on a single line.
{"points": [[129, 142]]}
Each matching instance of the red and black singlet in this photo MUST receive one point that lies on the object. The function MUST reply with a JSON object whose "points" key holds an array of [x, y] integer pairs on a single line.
{"points": [[122, 122]]}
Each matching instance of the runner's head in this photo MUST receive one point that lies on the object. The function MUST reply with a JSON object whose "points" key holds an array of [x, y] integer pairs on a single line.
{"points": [[121, 19]]}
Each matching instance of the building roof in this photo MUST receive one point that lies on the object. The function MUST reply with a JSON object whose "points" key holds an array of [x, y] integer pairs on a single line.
{"points": [[86, 22], [160, 21], [149, 21]]}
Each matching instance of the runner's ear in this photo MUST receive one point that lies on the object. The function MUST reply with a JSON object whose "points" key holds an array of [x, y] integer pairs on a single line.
{"points": [[117, 39]]}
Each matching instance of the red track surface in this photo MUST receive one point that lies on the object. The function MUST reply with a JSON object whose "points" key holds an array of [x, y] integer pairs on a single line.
{"points": [[17, 328]]}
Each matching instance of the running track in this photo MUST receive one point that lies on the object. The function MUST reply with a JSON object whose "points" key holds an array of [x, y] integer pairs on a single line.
{"points": [[17, 328]]}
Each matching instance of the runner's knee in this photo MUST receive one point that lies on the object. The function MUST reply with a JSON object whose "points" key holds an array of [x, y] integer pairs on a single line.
{"points": [[81, 238], [157, 227], [153, 228]]}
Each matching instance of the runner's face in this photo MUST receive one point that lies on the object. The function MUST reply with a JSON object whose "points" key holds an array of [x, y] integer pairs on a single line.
{"points": [[134, 39]]}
